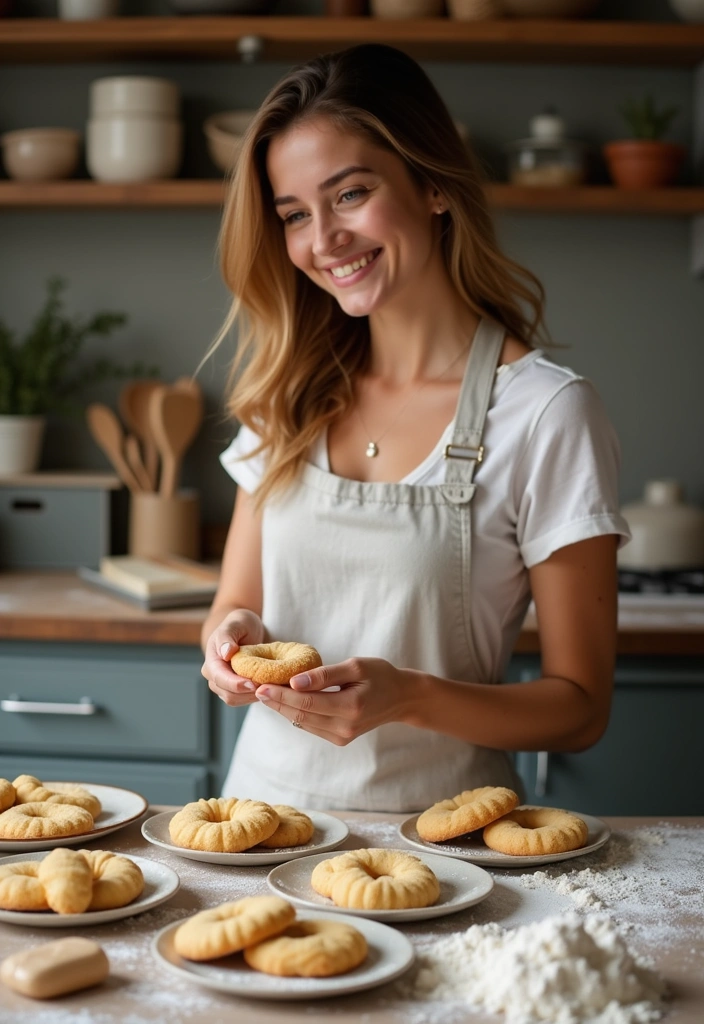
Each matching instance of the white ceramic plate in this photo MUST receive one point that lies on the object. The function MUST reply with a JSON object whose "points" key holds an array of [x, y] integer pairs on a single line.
{"points": [[329, 833], [120, 807], [461, 886], [472, 848], [160, 884], [390, 955]]}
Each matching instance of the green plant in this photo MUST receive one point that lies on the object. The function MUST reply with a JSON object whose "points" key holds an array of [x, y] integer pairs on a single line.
{"points": [[42, 372], [645, 121]]}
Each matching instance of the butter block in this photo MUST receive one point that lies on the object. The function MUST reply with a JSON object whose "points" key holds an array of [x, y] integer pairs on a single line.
{"points": [[55, 968]]}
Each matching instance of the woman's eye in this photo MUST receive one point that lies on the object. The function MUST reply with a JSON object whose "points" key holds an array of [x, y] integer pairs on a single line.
{"points": [[351, 194], [294, 217]]}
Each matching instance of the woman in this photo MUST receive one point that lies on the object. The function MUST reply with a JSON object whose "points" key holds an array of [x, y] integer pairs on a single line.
{"points": [[410, 468]]}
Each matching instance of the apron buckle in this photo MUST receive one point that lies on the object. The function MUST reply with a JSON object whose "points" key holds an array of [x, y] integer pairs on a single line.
{"points": [[452, 451]]}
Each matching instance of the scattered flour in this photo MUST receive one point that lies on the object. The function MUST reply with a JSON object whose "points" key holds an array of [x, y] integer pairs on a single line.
{"points": [[564, 969]]}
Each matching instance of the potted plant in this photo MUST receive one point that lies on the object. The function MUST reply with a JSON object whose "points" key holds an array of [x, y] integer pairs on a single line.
{"points": [[645, 161], [40, 373]]}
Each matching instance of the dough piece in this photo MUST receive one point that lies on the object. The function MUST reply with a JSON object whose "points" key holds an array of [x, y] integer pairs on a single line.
{"points": [[470, 810], [310, 949], [67, 880], [116, 881], [223, 825], [8, 795], [532, 831], [232, 926], [55, 968], [44, 820], [31, 790], [376, 880], [20, 889], [294, 829], [275, 662]]}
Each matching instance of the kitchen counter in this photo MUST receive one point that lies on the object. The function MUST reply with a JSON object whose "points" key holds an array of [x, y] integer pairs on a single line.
{"points": [[60, 606], [645, 878]]}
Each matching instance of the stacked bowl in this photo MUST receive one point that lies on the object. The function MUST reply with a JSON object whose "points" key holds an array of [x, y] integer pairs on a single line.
{"points": [[134, 132]]}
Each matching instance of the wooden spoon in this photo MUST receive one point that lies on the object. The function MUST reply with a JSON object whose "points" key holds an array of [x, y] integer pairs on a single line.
{"points": [[134, 460], [133, 404], [175, 416], [107, 433]]}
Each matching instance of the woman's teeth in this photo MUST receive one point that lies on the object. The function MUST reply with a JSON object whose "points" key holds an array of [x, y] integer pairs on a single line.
{"points": [[350, 268]]}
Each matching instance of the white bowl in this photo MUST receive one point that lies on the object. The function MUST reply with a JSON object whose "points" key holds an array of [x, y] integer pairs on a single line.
{"points": [[132, 148], [689, 10], [223, 135], [134, 94], [41, 154]]}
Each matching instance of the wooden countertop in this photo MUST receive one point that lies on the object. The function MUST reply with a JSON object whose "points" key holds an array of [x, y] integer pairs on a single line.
{"points": [[141, 990], [60, 606]]}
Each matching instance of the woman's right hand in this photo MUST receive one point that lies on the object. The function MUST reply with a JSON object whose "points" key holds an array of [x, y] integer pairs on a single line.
{"points": [[237, 629]]}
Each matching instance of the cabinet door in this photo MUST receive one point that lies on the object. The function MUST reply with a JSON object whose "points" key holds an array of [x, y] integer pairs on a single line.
{"points": [[142, 701], [649, 761]]}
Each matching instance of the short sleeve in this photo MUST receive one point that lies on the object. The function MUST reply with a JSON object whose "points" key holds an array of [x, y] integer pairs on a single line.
{"points": [[565, 485], [246, 472]]}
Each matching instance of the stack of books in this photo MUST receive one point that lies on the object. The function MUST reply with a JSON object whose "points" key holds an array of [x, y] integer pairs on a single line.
{"points": [[153, 583]]}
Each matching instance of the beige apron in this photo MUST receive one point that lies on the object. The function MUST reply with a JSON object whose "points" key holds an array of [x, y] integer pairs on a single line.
{"points": [[377, 570]]}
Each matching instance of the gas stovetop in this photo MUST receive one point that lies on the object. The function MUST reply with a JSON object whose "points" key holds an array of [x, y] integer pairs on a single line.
{"points": [[674, 581]]}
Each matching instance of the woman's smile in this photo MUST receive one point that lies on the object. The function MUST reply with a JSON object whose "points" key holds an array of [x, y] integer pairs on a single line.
{"points": [[352, 270]]}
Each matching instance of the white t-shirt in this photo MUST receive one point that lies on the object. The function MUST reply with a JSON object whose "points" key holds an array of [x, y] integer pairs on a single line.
{"points": [[549, 478]]}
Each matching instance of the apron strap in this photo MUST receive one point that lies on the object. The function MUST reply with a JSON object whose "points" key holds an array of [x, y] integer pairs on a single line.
{"points": [[465, 451]]}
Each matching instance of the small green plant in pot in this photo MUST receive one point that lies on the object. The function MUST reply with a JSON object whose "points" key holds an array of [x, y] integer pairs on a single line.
{"points": [[43, 373], [645, 161]]}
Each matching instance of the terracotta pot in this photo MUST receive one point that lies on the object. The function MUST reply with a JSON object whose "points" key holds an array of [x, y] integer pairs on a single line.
{"points": [[643, 163]]}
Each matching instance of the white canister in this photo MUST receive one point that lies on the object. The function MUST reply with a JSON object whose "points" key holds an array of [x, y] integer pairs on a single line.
{"points": [[88, 10], [123, 148], [667, 533], [134, 94]]}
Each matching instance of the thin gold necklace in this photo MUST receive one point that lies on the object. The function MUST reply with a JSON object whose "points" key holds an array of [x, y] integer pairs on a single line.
{"points": [[373, 446]]}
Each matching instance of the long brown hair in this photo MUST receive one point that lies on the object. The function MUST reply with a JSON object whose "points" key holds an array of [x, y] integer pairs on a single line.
{"points": [[298, 352]]}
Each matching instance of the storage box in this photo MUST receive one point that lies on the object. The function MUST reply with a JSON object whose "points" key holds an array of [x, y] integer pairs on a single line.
{"points": [[55, 520]]}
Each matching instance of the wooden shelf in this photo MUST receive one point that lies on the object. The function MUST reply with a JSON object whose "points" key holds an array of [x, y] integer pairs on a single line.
{"points": [[182, 193], [531, 41]]}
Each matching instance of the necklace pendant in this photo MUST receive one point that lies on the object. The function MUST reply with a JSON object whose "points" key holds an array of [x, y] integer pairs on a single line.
{"points": [[372, 450]]}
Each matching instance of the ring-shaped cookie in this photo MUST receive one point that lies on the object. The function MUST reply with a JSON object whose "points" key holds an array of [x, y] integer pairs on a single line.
{"points": [[376, 880], [294, 829], [8, 794], [67, 880], [223, 824], [533, 831], [232, 926], [310, 949], [44, 820], [466, 812], [31, 790], [20, 889], [275, 662], [117, 880]]}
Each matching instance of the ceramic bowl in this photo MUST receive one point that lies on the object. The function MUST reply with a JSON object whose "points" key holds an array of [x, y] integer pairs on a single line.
{"points": [[549, 8], [134, 94], [407, 8], [88, 10], [223, 135], [133, 148], [689, 10], [222, 6], [41, 154]]}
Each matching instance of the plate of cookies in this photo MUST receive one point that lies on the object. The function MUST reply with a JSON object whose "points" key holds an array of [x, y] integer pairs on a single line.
{"points": [[66, 888], [262, 948], [486, 827], [382, 885], [227, 830], [36, 815]]}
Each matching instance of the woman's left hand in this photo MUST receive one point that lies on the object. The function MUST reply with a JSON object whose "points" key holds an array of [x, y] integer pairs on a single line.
{"points": [[372, 693]]}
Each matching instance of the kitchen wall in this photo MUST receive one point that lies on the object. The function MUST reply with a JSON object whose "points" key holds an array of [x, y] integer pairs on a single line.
{"points": [[620, 294]]}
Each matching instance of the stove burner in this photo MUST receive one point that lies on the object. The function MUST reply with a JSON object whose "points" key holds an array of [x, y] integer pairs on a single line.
{"points": [[665, 581]]}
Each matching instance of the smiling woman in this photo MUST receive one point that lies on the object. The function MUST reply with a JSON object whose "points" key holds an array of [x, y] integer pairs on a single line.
{"points": [[410, 467]]}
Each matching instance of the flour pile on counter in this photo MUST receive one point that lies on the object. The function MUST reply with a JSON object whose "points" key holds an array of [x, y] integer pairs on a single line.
{"points": [[565, 969]]}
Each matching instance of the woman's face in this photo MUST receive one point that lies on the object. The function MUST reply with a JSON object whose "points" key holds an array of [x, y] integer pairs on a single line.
{"points": [[354, 220]]}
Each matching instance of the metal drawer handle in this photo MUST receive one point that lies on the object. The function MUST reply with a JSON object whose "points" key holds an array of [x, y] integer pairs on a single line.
{"points": [[41, 707], [541, 773]]}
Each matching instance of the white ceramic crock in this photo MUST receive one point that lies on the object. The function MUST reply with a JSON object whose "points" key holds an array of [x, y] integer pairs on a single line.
{"points": [[20, 443], [122, 148], [88, 10], [667, 533]]}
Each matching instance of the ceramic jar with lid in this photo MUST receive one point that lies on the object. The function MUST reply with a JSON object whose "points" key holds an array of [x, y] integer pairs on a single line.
{"points": [[667, 532], [548, 159], [134, 132]]}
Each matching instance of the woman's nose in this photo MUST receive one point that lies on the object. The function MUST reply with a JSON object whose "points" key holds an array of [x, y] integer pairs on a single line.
{"points": [[329, 236]]}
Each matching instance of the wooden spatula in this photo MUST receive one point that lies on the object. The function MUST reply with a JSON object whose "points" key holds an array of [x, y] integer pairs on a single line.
{"points": [[107, 433], [175, 416], [133, 403]]}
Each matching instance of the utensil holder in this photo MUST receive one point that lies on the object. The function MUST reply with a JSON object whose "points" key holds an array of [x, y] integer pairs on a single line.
{"points": [[164, 526]]}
